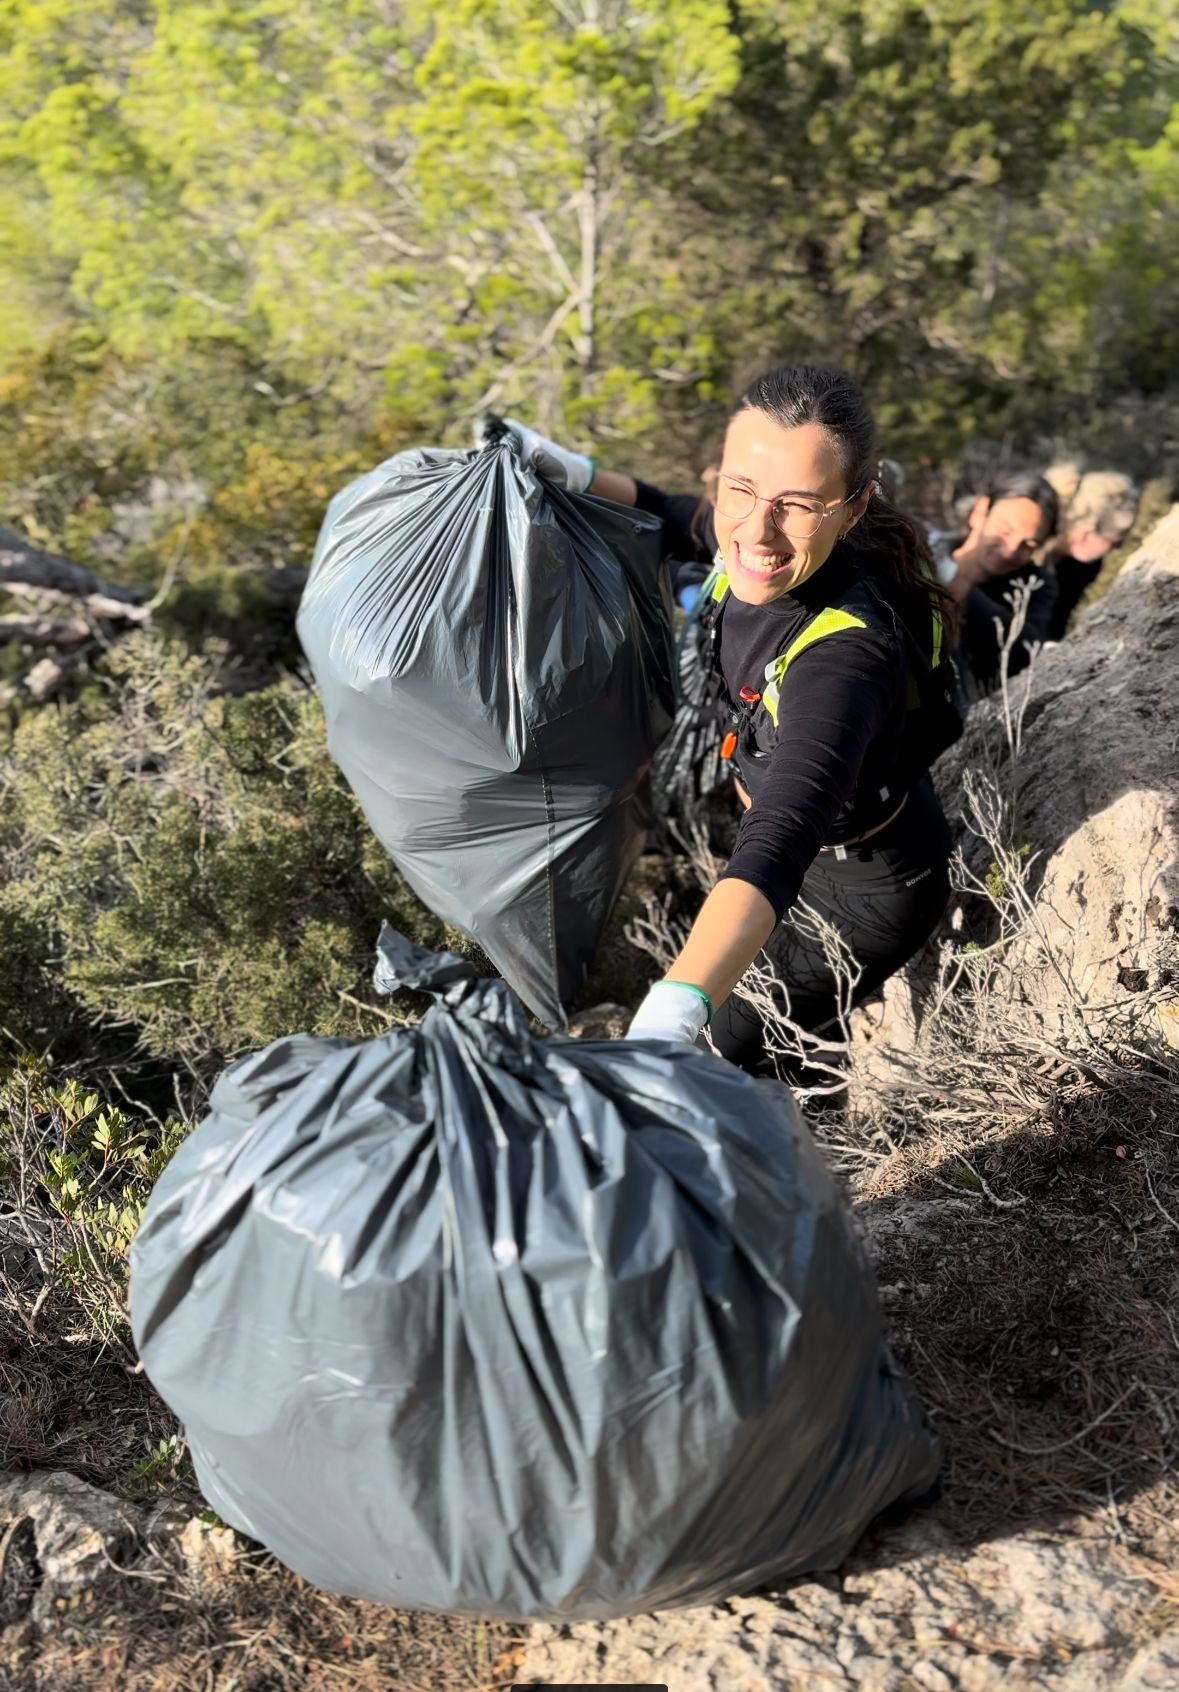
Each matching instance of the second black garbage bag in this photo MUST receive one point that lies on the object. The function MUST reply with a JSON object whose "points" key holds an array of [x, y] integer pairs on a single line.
{"points": [[495, 660], [465, 1319]]}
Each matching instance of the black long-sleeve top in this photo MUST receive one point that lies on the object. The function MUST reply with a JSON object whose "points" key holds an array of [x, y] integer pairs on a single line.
{"points": [[841, 711], [1072, 580], [979, 641]]}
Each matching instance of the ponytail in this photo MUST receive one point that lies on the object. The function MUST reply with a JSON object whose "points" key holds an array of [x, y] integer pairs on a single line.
{"points": [[894, 546]]}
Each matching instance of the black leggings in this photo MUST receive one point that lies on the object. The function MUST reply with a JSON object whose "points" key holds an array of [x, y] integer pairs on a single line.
{"points": [[885, 898]]}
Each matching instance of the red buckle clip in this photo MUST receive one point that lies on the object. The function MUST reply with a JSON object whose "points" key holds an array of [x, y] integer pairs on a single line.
{"points": [[728, 745], [747, 696]]}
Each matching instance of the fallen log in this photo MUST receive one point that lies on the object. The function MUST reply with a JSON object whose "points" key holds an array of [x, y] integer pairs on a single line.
{"points": [[24, 565], [95, 611]]}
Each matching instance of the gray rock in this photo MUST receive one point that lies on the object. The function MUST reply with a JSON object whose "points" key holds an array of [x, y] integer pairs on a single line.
{"points": [[68, 1536], [1096, 788], [600, 1022], [910, 1611]]}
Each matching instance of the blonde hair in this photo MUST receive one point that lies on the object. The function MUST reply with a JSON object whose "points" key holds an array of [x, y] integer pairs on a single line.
{"points": [[1102, 500]]}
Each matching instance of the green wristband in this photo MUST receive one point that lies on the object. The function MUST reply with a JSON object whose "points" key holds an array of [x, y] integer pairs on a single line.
{"points": [[700, 994], [593, 464]]}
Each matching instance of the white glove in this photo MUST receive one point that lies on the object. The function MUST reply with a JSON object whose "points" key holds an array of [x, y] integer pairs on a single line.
{"points": [[572, 470], [672, 1010]]}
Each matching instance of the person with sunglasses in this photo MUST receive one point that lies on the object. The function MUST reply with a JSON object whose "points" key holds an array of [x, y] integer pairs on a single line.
{"points": [[825, 621]]}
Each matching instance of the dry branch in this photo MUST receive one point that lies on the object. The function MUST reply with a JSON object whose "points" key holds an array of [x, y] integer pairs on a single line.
{"points": [[44, 631], [23, 564], [94, 604], [99, 611]]}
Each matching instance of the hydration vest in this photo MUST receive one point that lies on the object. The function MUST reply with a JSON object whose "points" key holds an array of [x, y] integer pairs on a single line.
{"points": [[933, 720]]}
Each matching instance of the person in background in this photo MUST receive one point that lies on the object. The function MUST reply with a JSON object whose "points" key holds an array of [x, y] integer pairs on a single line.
{"points": [[1098, 508], [823, 611], [1008, 524]]}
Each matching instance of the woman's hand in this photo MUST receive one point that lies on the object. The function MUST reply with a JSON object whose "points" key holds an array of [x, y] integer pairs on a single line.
{"points": [[976, 564], [734, 923], [572, 470], [671, 1011]]}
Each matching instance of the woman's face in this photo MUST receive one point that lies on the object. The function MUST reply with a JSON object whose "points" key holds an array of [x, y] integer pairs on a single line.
{"points": [[1008, 531], [1088, 547], [788, 470]]}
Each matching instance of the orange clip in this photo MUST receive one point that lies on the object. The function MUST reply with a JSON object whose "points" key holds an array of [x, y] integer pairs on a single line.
{"points": [[728, 745]]}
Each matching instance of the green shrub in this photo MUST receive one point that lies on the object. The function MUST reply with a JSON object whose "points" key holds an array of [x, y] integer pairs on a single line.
{"points": [[88, 1167], [190, 864]]}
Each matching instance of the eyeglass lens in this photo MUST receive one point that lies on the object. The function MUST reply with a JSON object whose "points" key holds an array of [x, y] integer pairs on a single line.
{"points": [[799, 517]]}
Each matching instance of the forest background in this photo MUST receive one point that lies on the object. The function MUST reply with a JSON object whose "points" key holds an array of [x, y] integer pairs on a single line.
{"points": [[248, 250]]}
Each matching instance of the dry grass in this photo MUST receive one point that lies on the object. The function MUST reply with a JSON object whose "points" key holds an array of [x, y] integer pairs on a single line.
{"points": [[245, 1625], [66, 1402], [1023, 1209], [1024, 1215], [1029, 1287]]}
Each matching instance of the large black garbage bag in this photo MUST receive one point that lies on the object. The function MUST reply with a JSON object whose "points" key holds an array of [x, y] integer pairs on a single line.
{"points": [[464, 1319], [495, 660]]}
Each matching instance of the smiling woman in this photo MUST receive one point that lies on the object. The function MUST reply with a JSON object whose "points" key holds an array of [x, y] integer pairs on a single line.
{"points": [[826, 626], [777, 548], [1013, 518]]}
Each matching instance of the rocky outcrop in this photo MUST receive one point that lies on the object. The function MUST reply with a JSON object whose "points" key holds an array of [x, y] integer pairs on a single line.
{"points": [[59, 1539], [908, 1613], [1091, 780]]}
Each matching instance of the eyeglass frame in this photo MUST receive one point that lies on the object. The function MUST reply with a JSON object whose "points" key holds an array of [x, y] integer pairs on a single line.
{"points": [[830, 507]]}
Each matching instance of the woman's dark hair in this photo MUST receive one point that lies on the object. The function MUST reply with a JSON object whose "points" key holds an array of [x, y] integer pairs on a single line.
{"points": [[1025, 484], [795, 394]]}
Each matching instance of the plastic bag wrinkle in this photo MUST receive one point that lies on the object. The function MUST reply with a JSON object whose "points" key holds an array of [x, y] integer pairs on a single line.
{"points": [[494, 658], [673, 1386]]}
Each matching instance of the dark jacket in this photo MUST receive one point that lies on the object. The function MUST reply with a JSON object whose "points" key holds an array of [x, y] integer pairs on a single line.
{"points": [[1072, 580], [980, 640]]}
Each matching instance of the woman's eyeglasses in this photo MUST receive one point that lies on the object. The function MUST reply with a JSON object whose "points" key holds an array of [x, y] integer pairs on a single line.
{"points": [[796, 515]]}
